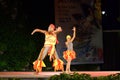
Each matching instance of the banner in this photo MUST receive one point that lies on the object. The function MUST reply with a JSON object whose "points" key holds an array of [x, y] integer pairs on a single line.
{"points": [[85, 15]]}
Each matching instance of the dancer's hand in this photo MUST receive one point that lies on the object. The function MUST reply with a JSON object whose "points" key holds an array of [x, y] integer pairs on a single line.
{"points": [[50, 57], [59, 29], [74, 29], [33, 32]]}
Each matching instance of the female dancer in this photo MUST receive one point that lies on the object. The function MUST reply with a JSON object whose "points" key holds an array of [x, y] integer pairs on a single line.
{"points": [[69, 54], [48, 48]]}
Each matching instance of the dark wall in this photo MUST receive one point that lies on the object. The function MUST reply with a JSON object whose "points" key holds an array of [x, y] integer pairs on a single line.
{"points": [[110, 18], [111, 47], [111, 40]]}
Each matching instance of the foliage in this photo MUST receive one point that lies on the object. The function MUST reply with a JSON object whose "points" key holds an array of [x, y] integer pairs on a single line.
{"points": [[114, 76], [17, 47], [62, 76], [77, 76], [10, 79]]}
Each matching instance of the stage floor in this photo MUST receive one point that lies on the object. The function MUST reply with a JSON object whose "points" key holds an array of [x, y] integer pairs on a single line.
{"points": [[49, 74]]}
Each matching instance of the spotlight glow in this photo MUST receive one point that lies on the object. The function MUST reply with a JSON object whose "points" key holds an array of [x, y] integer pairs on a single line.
{"points": [[103, 12]]}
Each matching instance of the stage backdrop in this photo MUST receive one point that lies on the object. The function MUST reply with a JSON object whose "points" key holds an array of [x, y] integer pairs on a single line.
{"points": [[86, 16]]}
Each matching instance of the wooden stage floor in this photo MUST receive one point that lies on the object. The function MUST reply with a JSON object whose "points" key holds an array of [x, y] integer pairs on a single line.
{"points": [[48, 74]]}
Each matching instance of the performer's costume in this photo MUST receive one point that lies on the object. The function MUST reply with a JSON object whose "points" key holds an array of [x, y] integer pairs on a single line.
{"points": [[49, 48], [69, 52]]}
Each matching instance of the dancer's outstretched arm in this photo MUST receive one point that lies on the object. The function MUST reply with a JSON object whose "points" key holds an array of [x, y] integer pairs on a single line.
{"points": [[38, 30], [59, 29], [74, 34]]}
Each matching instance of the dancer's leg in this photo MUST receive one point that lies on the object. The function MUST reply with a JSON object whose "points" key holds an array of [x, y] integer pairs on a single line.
{"points": [[56, 54], [39, 63], [52, 52], [43, 53], [58, 64], [68, 65]]}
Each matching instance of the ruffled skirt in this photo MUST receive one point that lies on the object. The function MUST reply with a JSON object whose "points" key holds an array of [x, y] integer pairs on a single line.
{"points": [[69, 53], [37, 65], [58, 65]]}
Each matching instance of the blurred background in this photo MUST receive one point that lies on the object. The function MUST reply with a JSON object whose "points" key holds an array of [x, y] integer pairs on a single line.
{"points": [[18, 49]]}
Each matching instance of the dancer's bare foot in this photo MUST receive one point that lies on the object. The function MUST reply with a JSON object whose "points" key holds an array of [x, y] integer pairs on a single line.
{"points": [[63, 71], [66, 72], [36, 72], [54, 69], [69, 71]]}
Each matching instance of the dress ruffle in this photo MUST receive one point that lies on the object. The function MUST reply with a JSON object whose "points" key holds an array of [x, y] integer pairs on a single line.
{"points": [[58, 64], [37, 65], [69, 53]]}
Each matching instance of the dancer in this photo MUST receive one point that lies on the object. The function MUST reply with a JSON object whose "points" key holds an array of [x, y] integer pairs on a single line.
{"points": [[48, 48], [69, 54]]}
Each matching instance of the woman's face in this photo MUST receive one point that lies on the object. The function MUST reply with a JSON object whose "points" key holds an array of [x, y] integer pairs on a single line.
{"points": [[68, 38], [51, 28]]}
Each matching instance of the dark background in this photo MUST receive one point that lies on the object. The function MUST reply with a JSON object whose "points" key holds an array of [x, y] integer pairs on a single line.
{"points": [[19, 17], [111, 38]]}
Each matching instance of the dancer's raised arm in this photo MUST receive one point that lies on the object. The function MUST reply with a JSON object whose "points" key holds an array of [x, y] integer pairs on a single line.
{"points": [[59, 29], [74, 34], [38, 30]]}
